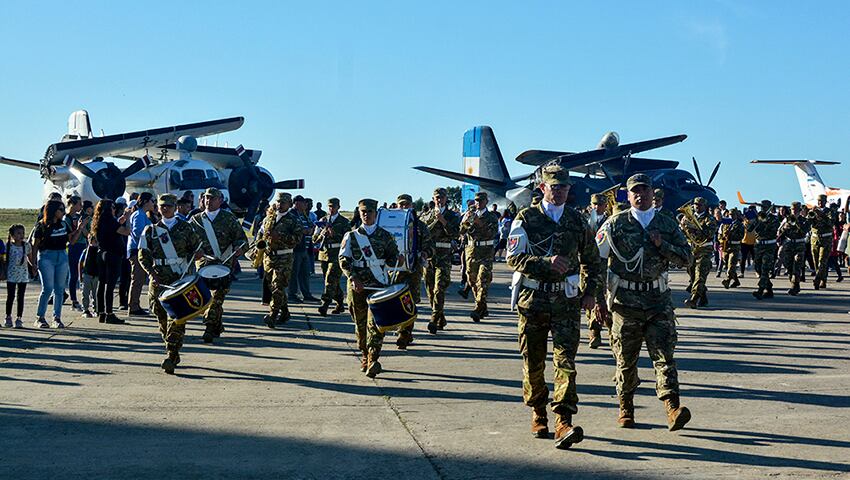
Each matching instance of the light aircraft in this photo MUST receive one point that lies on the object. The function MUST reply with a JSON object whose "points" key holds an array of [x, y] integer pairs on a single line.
{"points": [[164, 160], [811, 185], [601, 169]]}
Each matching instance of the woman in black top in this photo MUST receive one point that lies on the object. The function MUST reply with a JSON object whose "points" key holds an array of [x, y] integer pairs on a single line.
{"points": [[50, 238], [109, 231]]}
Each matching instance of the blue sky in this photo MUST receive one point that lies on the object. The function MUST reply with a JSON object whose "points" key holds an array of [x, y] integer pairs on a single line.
{"points": [[350, 95]]}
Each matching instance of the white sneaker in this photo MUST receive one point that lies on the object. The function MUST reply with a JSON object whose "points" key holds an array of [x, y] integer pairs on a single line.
{"points": [[57, 323], [41, 323]]}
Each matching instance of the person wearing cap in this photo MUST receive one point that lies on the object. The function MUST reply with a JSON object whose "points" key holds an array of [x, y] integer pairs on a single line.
{"points": [[281, 231], [328, 236], [792, 233], [558, 273], [364, 256], [822, 220], [730, 237], [596, 215], [481, 228], [658, 203], [413, 275], [138, 222], [700, 233], [443, 226], [640, 246], [302, 258], [164, 251], [764, 226], [223, 240]]}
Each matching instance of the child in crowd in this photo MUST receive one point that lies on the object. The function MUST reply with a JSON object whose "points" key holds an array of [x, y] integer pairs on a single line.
{"points": [[88, 272], [17, 273]]}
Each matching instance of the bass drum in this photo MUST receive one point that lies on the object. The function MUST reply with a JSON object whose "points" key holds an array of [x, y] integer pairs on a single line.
{"points": [[402, 224], [216, 277], [392, 308], [186, 299]]}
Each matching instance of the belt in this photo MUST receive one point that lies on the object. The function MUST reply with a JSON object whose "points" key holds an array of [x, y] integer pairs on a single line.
{"points": [[332, 245], [543, 286], [823, 235], [766, 242], [797, 240], [706, 244], [168, 261], [363, 263], [443, 244], [484, 243], [285, 251], [642, 286], [733, 242]]}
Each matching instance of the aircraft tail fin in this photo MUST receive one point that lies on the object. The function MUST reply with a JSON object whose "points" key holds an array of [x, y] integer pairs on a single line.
{"points": [[482, 157], [811, 185], [79, 126]]}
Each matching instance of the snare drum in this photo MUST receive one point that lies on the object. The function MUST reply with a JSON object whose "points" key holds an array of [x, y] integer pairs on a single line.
{"points": [[186, 299], [401, 223], [216, 277], [392, 308]]}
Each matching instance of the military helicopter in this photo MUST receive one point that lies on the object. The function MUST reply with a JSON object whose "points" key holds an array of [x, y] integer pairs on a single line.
{"points": [[600, 169], [164, 160]]}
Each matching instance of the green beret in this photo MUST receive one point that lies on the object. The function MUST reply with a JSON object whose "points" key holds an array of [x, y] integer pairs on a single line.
{"points": [[213, 192], [658, 193], [404, 198], [167, 199], [556, 175], [482, 196], [367, 204], [638, 179], [333, 202], [598, 199], [440, 192]]}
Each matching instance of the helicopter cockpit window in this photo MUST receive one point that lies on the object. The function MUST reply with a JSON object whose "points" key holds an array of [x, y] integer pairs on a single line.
{"points": [[196, 179]]}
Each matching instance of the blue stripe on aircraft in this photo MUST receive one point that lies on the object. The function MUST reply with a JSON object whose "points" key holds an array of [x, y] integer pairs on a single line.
{"points": [[472, 142]]}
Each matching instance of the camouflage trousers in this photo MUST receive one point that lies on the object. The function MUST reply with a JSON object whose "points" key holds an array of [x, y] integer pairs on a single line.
{"points": [[658, 329], [821, 247], [369, 339], [698, 270], [594, 324], [278, 270], [172, 333], [479, 274], [563, 320], [732, 256], [212, 319], [438, 277], [764, 258], [794, 259], [332, 273]]}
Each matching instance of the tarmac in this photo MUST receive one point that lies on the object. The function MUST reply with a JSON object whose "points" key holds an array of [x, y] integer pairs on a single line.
{"points": [[767, 382]]}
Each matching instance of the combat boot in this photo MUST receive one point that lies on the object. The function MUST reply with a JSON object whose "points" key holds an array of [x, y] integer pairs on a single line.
{"points": [[627, 411], [725, 283], [374, 366], [735, 283], [209, 333], [768, 293], [677, 415], [270, 320], [323, 308], [566, 435], [690, 302], [283, 316], [817, 284], [432, 327], [485, 312], [475, 315], [340, 307], [594, 340], [441, 323], [759, 294], [170, 363], [403, 340], [702, 301], [539, 423], [795, 289]]}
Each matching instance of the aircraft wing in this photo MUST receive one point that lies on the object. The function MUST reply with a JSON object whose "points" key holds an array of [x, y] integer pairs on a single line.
{"points": [[570, 160], [20, 163], [462, 177], [219, 157], [539, 157], [792, 162], [124, 143]]}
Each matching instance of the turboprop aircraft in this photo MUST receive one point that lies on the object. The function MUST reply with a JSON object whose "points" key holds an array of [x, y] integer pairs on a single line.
{"points": [[598, 170]]}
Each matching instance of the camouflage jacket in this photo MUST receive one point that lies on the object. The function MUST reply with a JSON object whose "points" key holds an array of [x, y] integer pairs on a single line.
{"points": [[627, 236], [671, 214], [328, 245], [701, 233], [486, 230], [287, 230], [765, 228], [795, 230], [822, 220], [228, 233], [351, 258], [185, 240], [571, 237], [731, 232], [599, 220], [424, 243], [443, 234]]}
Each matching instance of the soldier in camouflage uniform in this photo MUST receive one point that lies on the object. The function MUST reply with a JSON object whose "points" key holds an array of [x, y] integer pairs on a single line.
{"points": [[765, 226], [658, 204], [481, 226], [165, 264], [822, 221], [596, 217], [640, 245], [551, 248], [701, 239], [731, 235], [329, 238], [414, 277], [444, 226], [363, 271], [221, 234], [282, 232], [792, 232]]}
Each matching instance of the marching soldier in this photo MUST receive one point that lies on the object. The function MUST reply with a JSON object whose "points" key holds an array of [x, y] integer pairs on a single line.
{"points": [[221, 234], [364, 256], [281, 232], [443, 226], [329, 238], [640, 246], [414, 276], [700, 235], [480, 227], [165, 250], [765, 226], [658, 203], [596, 217], [730, 236], [822, 222], [552, 247], [792, 231]]}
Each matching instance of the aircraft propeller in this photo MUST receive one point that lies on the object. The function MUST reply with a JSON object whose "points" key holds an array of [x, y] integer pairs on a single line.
{"points": [[710, 178], [109, 182], [248, 185]]}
